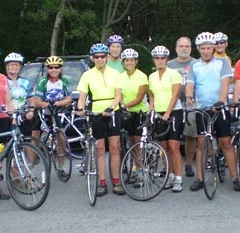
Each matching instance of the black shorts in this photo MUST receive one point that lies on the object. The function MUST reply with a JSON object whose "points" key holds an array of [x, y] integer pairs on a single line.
{"points": [[131, 124], [221, 126], [175, 131], [103, 127]]}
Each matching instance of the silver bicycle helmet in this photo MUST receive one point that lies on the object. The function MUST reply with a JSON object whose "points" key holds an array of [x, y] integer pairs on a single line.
{"points": [[205, 38], [129, 53], [160, 51], [220, 37], [13, 57]]}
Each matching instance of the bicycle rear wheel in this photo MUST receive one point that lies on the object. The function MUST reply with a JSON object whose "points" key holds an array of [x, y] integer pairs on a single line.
{"points": [[61, 156], [30, 188], [92, 172], [209, 168], [144, 163], [72, 132]]}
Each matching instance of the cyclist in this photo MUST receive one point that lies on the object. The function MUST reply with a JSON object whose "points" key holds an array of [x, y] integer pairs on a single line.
{"points": [[5, 100], [165, 87], [134, 90], [182, 64], [115, 44], [53, 89], [20, 88], [236, 92], [104, 84], [221, 44], [209, 69]]}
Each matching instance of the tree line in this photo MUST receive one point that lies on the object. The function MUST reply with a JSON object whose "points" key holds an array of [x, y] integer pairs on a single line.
{"points": [[69, 27]]}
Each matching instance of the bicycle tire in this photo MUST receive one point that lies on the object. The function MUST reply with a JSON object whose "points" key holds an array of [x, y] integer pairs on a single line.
{"points": [[92, 171], [61, 156], [152, 159], [221, 167], [236, 142], [30, 190], [209, 168], [75, 144], [43, 148]]}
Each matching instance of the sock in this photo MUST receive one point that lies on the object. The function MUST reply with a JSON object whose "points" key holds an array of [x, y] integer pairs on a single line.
{"points": [[103, 182], [115, 180]]}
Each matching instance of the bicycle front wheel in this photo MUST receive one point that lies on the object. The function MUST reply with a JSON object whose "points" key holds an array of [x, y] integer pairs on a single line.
{"points": [[209, 167], [62, 159], [236, 143], [92, 171], [144, 162], [28, 182]]}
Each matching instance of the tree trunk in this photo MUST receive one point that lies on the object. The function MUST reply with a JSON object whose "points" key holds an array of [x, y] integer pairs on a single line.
{"points": [[56, 29]]}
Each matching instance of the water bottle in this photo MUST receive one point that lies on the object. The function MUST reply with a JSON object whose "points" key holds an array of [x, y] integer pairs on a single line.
{"points": [[1, 147]]}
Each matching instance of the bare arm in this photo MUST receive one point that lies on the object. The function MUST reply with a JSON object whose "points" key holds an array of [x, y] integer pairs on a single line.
{"points": [[224, 89], [236, 92]]}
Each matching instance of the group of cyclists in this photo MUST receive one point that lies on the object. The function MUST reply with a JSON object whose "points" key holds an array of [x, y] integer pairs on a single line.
{"points": [[116, 83]]}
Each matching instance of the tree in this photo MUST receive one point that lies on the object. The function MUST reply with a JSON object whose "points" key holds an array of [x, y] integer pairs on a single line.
{"points": [[113, 12]]}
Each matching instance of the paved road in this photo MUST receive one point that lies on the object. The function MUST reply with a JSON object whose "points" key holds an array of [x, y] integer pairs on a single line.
{"points": [[67, 210]]}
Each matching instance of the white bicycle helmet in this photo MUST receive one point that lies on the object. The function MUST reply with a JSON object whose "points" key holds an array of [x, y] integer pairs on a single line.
{"points": [[129, 53], [160, 51], [205, 38], [220, 37], [13, 57]]}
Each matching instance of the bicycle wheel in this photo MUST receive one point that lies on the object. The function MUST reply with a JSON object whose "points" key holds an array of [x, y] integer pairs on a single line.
{"points": [[236, 143], [221, 167], [209, 168], [144, 162], [42, 147], [61, 156], [92, 172], [73, 133], [28, 182]]}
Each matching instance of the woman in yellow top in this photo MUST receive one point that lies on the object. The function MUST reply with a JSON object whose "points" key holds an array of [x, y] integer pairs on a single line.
{"points": [[134, 85], [103, 83], [165, 88]]}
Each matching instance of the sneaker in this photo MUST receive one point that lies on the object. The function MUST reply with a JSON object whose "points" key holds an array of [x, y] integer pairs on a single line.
{"points": [[102, 190], [138, 183], [236, 184], [169, 183], [118, 189], [189, 171], [177, 186], [3, 195], [196, 185], [61, 172]]}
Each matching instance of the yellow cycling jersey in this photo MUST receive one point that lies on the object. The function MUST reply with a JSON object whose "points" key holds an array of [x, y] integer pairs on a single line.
{"points": [[162, 88], [130, 87], [102, 85], [223, 55]]}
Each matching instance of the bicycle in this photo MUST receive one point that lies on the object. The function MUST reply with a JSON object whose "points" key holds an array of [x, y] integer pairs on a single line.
{"points": [[89, 162], [145, 160], [27, 174], [213, 160], [236, 135], [56, 141]]}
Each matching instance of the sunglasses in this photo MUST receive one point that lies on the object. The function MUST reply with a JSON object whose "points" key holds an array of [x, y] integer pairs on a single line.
{"points": [[54, 67], [220, 42], [160, 58], [100, 56]]}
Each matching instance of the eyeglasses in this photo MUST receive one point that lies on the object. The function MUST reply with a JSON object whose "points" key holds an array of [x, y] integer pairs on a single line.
{"points": [[220, 42], [159, 58], [100, 56], [54, 67]]}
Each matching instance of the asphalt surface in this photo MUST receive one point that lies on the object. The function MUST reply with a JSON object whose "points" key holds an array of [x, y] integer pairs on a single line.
{"points": [[67, 210]]}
